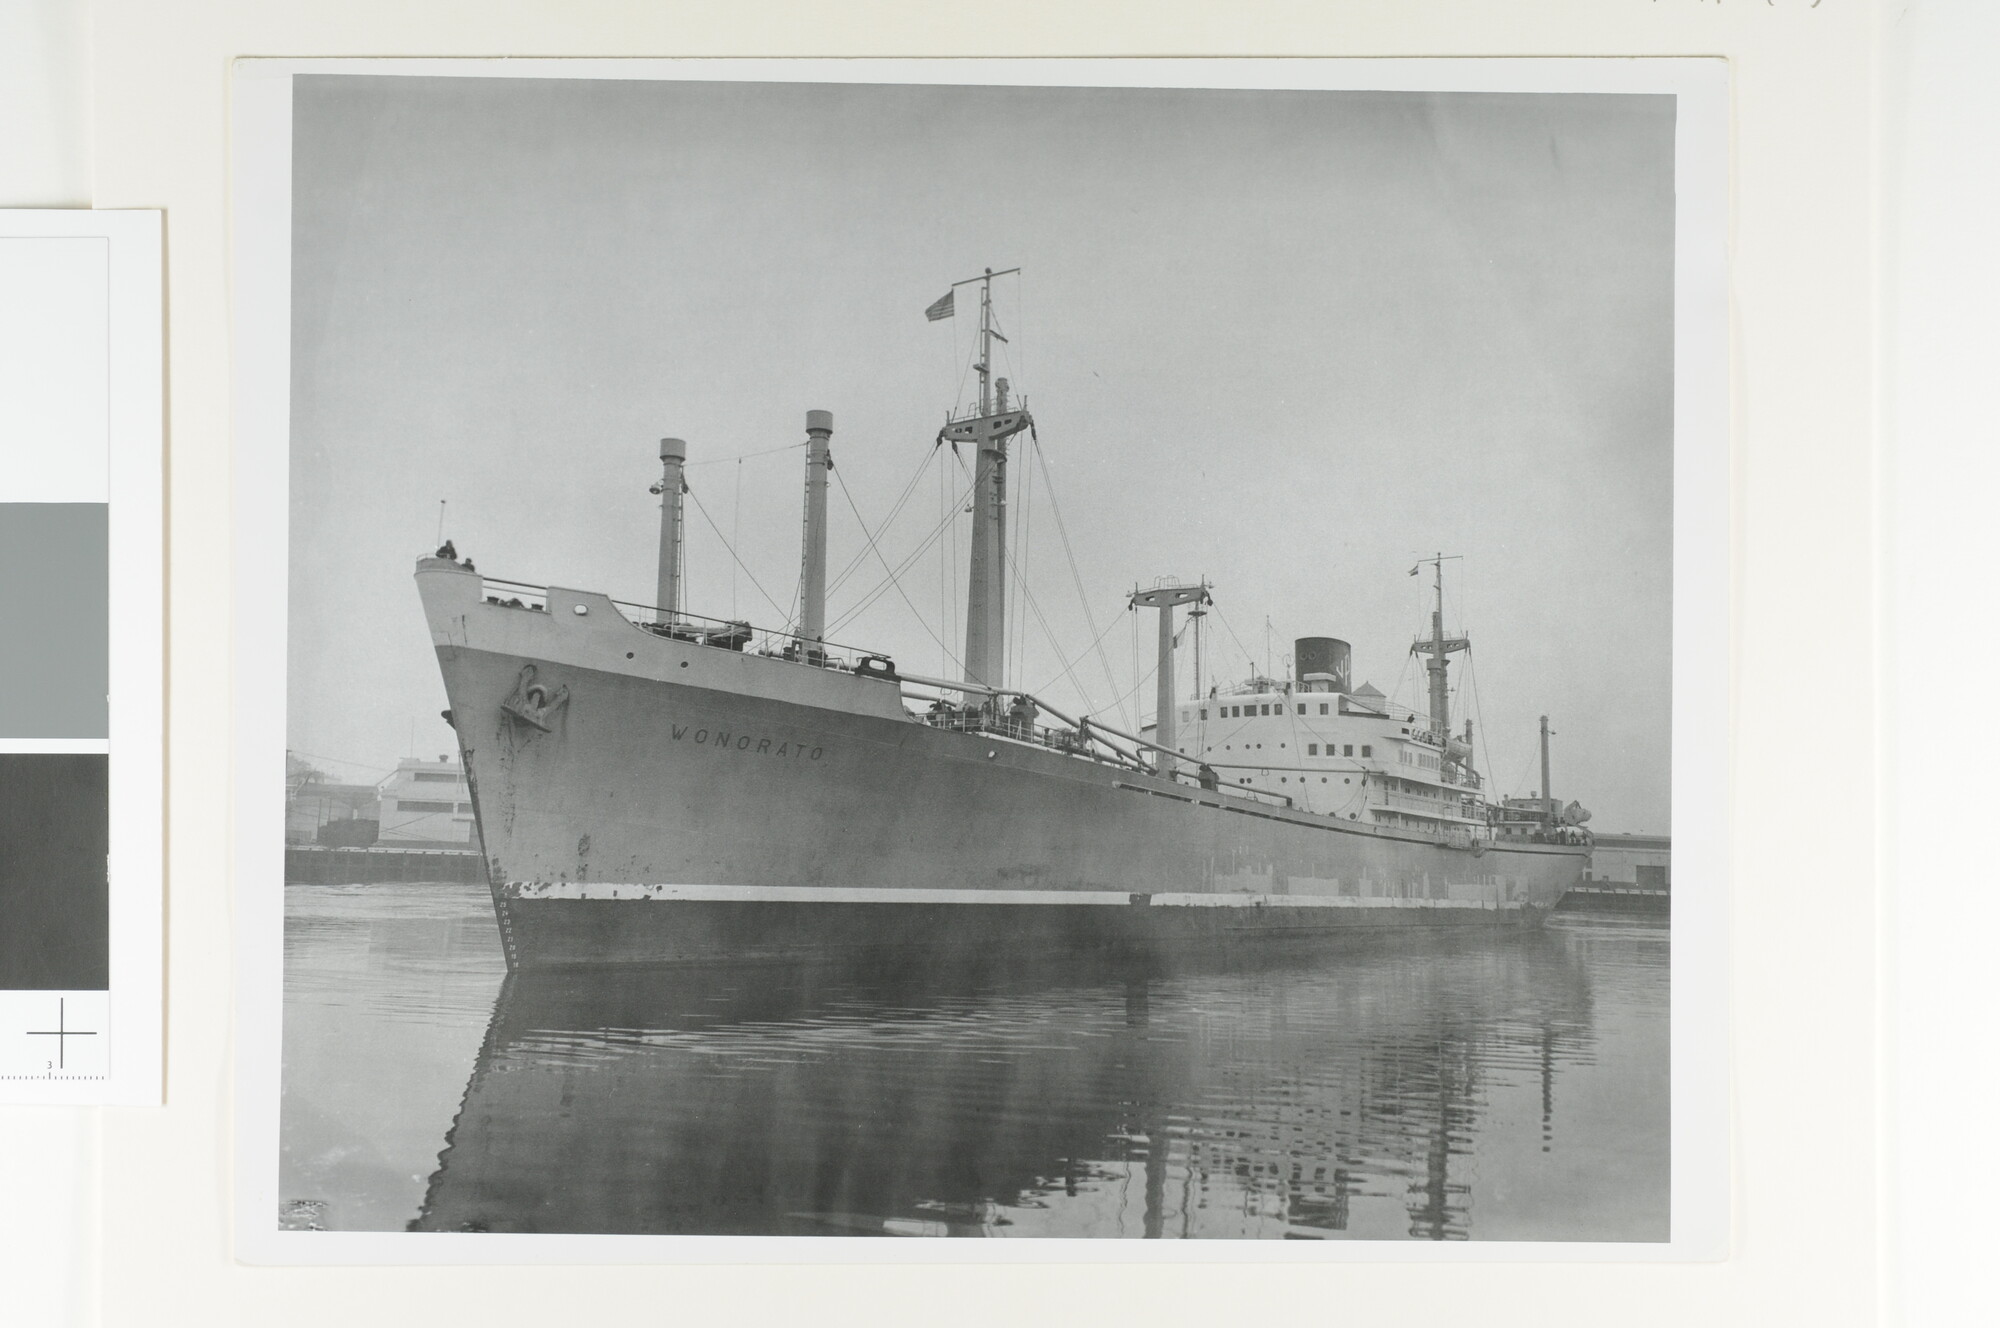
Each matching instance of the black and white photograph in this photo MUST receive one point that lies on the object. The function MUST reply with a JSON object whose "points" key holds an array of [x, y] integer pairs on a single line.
{"points": [[914, 653]]}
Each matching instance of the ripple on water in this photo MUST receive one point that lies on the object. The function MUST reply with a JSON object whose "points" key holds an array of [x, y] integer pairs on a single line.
{"points": [[1507, 1087]]}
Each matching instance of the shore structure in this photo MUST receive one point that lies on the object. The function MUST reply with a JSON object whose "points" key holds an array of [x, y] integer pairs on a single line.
{"points": [[1628, 873], [426, 804], [656, 787]]}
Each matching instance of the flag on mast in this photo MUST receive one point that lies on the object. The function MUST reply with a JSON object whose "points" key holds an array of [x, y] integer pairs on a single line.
{"points": [[942, 309], [1413, 570]]}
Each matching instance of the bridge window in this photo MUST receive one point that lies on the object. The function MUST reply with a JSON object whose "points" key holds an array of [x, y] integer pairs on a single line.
{"points": [[1348, 750], [1322, 707], [1367, 750], [1312, 749], [408, 806], [1204, 712], [1302, 707]]}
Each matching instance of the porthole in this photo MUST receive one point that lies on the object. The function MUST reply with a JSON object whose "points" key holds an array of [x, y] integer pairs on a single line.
{"points": [[628, 654], [684, 663]]}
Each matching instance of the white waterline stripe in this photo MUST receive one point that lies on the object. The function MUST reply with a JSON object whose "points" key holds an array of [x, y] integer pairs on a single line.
{"points": [[784, 894]]}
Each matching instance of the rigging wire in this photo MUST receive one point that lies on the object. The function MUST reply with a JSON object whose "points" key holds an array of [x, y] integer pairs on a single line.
{"points": [[945, 609], [895, 509], [1403, 674], [699, 507], [893, 580], [1136, 687], [1224, 620], [1055, 647], [1132, 621], [951, 514], [882, 588], [735, 530], [341, 760], [1472, 684], [744, 456], [1094, 645], [1069, 552], [1020, 576]]}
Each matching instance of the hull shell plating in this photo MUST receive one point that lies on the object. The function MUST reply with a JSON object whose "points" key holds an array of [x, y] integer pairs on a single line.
{"points": [[644, 799]]}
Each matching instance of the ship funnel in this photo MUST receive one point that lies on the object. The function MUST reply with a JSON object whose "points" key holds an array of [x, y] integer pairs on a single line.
{"points": [[1323, 657], [812, 596], [673, 454]]}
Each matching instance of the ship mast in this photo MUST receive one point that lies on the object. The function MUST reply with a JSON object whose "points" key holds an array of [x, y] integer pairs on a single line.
{"points": [[1164, 596], [812, 574], [1439, 647], [988, 431], [1548, 798], [671, 485]]}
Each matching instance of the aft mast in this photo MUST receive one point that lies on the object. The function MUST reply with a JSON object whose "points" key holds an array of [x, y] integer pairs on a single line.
{"points": [[987, 431], [1439, 647]]}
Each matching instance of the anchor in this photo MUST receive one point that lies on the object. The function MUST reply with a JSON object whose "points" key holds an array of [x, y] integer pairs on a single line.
{"points": [[533, 703]]}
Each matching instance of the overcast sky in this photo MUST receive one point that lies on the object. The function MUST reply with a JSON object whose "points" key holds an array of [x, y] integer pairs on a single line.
{"points": [[1287, 341]]}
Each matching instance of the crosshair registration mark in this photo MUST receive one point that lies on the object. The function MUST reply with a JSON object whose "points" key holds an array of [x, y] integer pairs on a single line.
{"points": [[62, 1032]]}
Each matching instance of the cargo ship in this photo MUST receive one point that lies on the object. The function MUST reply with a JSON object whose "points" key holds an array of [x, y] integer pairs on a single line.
{"points": [[656, 787]]}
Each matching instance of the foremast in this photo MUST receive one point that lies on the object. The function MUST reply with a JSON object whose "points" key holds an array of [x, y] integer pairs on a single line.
{"points": [[987, 431]]}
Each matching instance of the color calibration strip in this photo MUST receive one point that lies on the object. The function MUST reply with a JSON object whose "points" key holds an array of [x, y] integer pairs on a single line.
{"points": [[81, 586]]}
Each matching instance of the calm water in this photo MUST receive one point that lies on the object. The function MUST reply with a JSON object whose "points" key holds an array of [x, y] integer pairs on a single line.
{"points": [[1496, 1088]]}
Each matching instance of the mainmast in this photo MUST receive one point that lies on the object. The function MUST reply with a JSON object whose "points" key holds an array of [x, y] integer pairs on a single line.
{"points": [[988, 432], [1439, 647]]}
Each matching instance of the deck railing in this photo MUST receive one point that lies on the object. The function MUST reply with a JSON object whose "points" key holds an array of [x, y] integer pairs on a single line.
{"points": [[743, 637], [735, 634]]}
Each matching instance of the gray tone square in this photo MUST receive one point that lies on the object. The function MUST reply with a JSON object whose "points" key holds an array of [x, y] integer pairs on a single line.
{"points": [[55, 589], [54, 887]]}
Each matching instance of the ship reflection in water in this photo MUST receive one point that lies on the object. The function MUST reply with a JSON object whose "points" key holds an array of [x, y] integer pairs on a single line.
{"points": [[1489, 1087]]}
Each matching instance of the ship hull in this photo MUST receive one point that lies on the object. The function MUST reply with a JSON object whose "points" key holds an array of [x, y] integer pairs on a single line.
{"points": [[655, 801]]}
